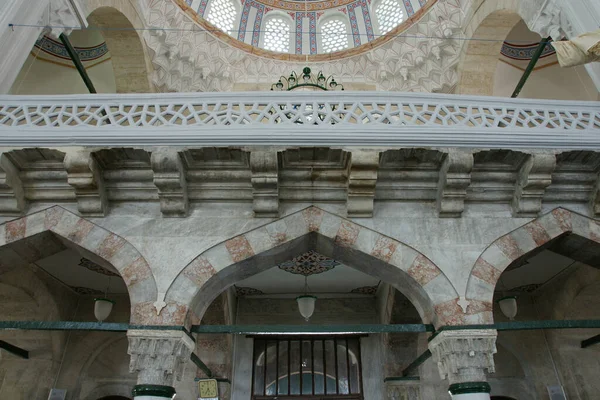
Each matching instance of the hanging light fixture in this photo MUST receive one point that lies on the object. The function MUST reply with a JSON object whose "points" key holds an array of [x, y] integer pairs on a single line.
{"points": [[508, 306], [306, 80], [507, 303], [306, 302], [103, 306]]}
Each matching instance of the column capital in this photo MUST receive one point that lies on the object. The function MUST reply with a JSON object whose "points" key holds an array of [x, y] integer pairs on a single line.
{"points": [[464, 356], [158, 357]]}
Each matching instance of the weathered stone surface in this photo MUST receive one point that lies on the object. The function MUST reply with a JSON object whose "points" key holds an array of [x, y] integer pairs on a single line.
{"points": [[361, 183], [85, 176], [534, 177], [265, 183], [455, 178], [12, 197], [170, 180]]}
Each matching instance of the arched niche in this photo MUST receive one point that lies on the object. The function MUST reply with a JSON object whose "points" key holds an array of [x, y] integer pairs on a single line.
{"points": [[477, 67], [117, 21]]}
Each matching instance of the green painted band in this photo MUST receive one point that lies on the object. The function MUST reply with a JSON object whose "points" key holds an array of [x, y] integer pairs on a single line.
{"points": [[470, 387], [153, 390]]}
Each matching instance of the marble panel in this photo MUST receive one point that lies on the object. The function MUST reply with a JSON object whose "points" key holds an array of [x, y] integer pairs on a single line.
{"points": [[35, 224], [15, 230], [486, 272], [219, 257], [80, 231], [313, 217], [537, 232], [347, 234], [135, 272], [52, 216], [423, 270], [239, 248], [440, 290]]}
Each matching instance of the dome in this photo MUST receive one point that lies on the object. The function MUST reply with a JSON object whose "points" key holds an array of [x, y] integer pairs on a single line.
{"points": [[305, 28]]}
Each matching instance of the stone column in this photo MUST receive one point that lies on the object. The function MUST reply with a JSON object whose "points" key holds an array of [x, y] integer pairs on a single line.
{"points": [[159, 358], [464, 357]]}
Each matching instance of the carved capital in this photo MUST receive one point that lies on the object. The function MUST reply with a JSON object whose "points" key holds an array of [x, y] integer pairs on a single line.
{"points": [[159, 357], [170, 180], [265, 183], [361, 183], [455, 178], [534, 177], [464, 355], [85, 176]]}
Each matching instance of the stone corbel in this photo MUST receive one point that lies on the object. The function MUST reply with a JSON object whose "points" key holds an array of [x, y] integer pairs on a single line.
{"points": [[361, 183], [12, 196], [170, 180], [265, 183], [159, 357], [595, 199], [464, 356], [534, 177], [85, 176], [455, 178]]}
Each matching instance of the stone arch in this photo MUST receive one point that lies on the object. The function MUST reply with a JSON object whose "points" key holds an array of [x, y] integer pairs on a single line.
{"points": [[492, 20], [411, 272], [131, 64], [519, 243], [128, 261]]}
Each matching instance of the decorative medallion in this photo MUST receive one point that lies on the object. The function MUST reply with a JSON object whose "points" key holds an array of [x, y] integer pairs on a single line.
{"points": [[310, 263], [247, 291], [370, 290], [92, 266]]}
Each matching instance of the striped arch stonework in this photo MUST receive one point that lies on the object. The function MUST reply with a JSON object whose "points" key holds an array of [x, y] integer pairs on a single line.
{"points": [[508, 248], [132, 266], [422, 273]]}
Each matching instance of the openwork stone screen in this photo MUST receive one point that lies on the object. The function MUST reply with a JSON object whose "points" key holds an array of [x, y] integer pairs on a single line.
{"points": [[389, 14], [334, 36], [381, 109], [222, 14], [277, 35]]}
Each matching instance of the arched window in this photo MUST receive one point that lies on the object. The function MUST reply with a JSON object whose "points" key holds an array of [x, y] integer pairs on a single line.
{"points": [[334, 35], [288, 367], [222, 14], [276, 35], [389, 14]]}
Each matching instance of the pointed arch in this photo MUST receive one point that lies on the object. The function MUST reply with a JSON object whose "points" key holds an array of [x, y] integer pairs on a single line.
{"points": [[118, 21], [410, 271], [121, 254], [511, 247]]}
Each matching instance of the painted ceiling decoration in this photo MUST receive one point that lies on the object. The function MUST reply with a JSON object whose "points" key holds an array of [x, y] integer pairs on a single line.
{"points": [[92, 266], [48, 49], [247, 291], [304, 19], [310, 263], [370, 290], [519, 55]]}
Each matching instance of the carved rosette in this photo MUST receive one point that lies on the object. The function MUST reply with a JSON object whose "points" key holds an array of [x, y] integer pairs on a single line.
{"points": [[464, 355], [159, 357]]}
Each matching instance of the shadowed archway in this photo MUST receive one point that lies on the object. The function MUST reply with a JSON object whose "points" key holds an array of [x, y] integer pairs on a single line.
{"points": [[114, 249], [562, 231], [411, 272]]}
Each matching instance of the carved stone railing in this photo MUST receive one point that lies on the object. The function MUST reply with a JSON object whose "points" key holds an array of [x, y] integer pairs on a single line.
{"points": [[340, 118]]}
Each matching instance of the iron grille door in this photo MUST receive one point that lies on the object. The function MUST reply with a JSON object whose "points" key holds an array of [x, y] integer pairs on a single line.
{"points": [[307, 368]]}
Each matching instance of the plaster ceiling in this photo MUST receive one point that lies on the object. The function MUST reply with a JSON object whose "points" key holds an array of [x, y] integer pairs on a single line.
{"points": [[82, 274], [326, 277], [534, 272]]}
